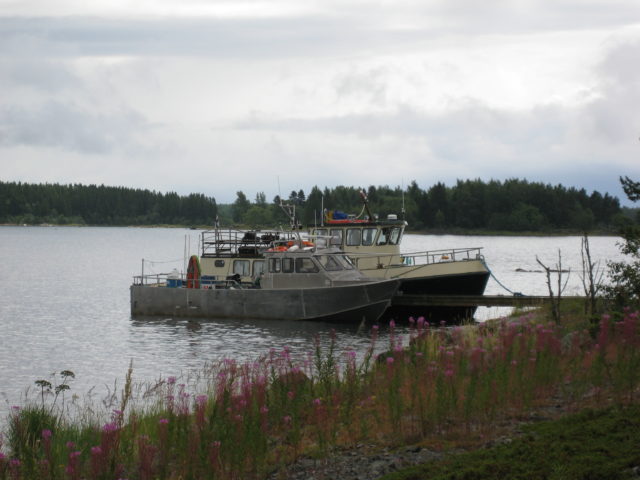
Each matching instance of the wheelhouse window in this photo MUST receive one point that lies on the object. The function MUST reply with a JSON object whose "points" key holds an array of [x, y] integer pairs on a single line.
{"points": [[368, 236], [329, 263], [306, 265], [354, 236], [258, 268], [336, 237], [345, 262], [383, 238], [394, 238], [242, 267], [275, 265], [321, 242], [287, 265]]}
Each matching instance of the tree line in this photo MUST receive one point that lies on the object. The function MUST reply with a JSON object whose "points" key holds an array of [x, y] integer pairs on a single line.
{"points": [[23, 203], [513, 205], [469, 205]]}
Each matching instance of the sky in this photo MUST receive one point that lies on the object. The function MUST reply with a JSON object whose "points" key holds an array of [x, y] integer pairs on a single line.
{"points": [[217, 96]]}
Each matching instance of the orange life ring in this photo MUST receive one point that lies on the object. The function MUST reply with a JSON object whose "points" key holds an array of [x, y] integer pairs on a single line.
{"points": [[278, 249], [291, 243], [193, 272]]}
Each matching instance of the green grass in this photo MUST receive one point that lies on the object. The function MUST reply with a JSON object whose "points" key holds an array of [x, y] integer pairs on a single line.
{"points": [[448, 387], [594, 444]]}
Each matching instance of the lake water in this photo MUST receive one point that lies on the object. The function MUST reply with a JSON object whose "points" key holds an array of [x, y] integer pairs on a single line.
{"points": [[64, 303]]}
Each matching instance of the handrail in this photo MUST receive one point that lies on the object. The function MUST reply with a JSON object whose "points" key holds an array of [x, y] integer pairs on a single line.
{"points": [[206, 281], [421, 258], [228, 241]]}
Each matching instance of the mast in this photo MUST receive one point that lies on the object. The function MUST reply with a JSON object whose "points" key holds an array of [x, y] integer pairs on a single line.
{"points": [[363, 194]]}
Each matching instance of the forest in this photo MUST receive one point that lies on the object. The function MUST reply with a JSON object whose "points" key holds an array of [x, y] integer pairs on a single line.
{"points": [[23, 203], [470, 205]]}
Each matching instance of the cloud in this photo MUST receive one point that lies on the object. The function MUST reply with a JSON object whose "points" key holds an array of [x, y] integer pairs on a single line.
{"points": [[614, 117], [221, 96], [321, 29], [588, 144], [248, 38], [68, 127]]}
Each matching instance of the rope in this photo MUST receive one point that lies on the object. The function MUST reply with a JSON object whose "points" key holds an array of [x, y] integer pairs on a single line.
{"points": [[515, 294]]}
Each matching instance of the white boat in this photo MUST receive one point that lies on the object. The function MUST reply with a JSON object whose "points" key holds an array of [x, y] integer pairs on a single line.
{"points": [[374, 247]]}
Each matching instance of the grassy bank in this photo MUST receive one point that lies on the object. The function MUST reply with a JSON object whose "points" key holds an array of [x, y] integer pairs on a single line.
{"points": [[594, 444], [440, 388]]}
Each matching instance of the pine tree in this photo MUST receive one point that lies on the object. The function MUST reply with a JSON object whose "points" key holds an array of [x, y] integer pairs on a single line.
{"points": [[625, 275]]}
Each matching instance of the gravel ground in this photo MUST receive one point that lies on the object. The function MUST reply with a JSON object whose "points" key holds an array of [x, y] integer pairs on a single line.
{"points": [[364, 462], [370, 462]]}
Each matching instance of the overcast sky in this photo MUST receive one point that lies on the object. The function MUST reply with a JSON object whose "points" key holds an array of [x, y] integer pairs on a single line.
{"points": [[218, 96]]}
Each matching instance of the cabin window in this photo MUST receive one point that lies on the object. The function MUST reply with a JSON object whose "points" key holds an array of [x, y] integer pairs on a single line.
{"points": [[336, 237], [394, 238], [368, 236], [383, 239], [275, 265], [353, 237], [345, 262], [258, 268], [219, 263], [305, 265], [287, 265], [329, 263], [242, 267], [319, 241]]}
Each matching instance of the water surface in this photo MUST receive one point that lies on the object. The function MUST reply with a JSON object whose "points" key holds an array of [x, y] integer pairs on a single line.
{"points": [[64, 303]]}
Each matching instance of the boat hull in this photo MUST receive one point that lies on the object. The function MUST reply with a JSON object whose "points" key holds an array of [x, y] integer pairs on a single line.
{"points": [[465, 277], [349, 303], [469, 283]]}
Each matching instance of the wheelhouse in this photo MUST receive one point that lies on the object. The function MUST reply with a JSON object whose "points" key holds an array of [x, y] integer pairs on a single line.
{"points": [[348, 236]]}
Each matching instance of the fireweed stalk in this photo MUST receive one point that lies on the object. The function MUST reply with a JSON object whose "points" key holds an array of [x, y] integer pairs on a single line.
{"points": [[259, 416]]}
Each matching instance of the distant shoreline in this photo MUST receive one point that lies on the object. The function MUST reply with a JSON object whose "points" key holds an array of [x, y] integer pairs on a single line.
{"points": [[457, 232]]}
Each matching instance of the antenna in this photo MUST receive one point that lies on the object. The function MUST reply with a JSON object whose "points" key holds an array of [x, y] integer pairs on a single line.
{"points": [[279, 193], [402, 211]]}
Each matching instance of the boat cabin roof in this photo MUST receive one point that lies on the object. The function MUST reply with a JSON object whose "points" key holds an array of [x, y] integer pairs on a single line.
{"points": [[351, 223]]}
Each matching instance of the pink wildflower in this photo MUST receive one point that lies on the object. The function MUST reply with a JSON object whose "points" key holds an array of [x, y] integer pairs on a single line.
{"points": [[109, 427]]}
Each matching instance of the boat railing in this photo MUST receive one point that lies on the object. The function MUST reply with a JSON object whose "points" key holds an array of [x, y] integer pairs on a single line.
{"points": [[170, 280], [387, 260], [227, 242]]}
